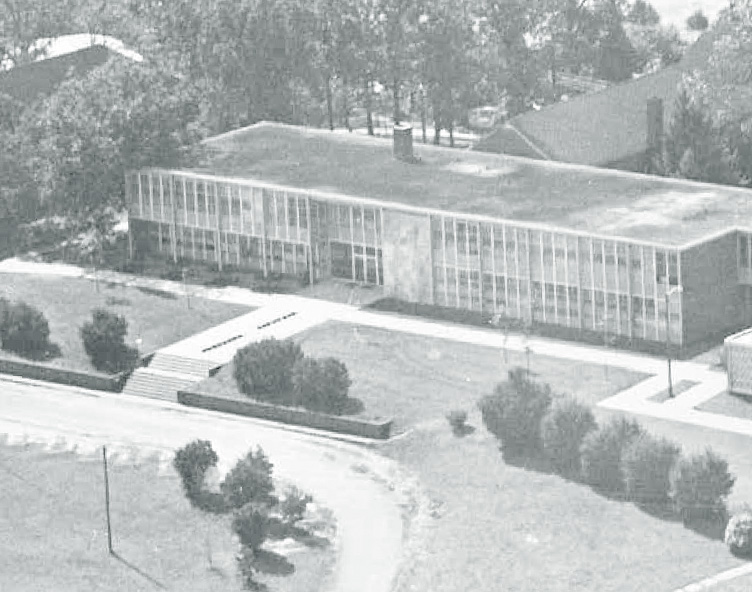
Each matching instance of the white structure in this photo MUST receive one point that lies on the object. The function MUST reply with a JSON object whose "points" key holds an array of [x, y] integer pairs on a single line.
{"points": [[738, 352]]}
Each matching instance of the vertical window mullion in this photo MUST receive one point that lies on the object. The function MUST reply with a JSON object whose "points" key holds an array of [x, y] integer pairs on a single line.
{"points": [[444, 254], [543, 277], [566, 280], [592, 281]]}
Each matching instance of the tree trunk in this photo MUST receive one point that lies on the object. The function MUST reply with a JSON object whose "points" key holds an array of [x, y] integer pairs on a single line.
{"points": [[395, 100], [345, 106], [436, 125], [423, 114], [451, 133], [369, 110], [329, 105]]}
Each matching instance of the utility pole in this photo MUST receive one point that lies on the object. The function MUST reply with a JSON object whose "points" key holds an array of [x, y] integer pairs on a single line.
{"points": [[107, 500]]}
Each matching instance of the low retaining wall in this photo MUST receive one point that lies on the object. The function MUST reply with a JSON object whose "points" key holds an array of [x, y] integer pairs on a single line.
{"points": [[90, 380], [344, 425]]}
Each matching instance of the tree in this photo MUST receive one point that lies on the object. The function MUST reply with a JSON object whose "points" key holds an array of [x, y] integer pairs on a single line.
{"points": [[104, 341], [251, 524], [249, 481], [264, 370], [563, 429], [697, 21], [321, 385], [514, 411], [601, 455], [293, 505], [693, 147], [738, 534], [700, 485], [615, 58], [25, 330], [643, 13], [647, 464], [191, 462]]}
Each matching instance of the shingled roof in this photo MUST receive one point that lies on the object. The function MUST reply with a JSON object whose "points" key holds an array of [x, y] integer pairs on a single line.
{"points": [[599, 129]]}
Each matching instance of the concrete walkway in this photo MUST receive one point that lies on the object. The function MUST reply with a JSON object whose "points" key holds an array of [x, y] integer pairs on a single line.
{"points": [[635, 400]]}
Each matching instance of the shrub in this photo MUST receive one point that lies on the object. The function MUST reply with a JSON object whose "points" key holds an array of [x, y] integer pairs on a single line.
{"points": [[457, 420], [191, 462], [738, 534], [563, 429], [293, 505], [263, 370], [601, 455], [514, 411], [700, 485], [321, 385], [104, 342], [246, 561], [697, 21], [24, 330], [647, 464], [251, 524], [249, 481]]}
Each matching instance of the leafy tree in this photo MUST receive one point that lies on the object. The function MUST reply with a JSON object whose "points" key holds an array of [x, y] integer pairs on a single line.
{"points": [[191, 462], [25, 330], [693, 147], [697, 21], [601, 454], [514, 411], [563, 429], [264, 370], [293, 505], [647, 464], [104, 341], [321, 385], [251, 524], [615, 58], [643, 13], [700, 485], [249, 481]]}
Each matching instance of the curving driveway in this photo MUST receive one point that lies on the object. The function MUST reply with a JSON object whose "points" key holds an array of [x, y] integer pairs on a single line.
{"points": [[353, 482]]}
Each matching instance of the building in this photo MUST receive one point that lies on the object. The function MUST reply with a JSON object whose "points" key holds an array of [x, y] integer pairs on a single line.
{"points": [[615, 127], [590, 252]]}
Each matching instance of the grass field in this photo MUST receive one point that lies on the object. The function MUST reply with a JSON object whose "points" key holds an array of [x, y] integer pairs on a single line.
{"points": [[53, 533], [500, 527], [729, 404], [156, 318], [416, 379]]}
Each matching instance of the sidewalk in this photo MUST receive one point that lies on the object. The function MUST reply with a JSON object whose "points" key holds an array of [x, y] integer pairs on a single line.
{"points": [[635, 400]]}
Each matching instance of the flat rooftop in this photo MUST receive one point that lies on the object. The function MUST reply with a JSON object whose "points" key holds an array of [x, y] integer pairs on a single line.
{"points": [[599, 201]]}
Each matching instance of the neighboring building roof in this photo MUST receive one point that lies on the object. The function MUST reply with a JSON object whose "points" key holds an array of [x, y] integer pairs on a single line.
{"points": [[64, 57], [601, 128], [599, 201]]}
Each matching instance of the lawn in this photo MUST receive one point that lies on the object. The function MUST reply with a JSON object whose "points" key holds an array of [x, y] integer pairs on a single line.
{"points": [[53, 533], [500, 527], [728, 404], [416, 379], [157, 318]]}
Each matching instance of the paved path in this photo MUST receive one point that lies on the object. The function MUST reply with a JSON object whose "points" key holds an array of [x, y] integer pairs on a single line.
{"points": [[635, 400], [364, 490]]}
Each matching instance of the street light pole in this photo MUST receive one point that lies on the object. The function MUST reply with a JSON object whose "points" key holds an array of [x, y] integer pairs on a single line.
{"points": [[667, 296]]}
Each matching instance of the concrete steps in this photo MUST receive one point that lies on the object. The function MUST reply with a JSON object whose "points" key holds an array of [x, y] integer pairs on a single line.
{"points": [[180, 365], [158, 384]]}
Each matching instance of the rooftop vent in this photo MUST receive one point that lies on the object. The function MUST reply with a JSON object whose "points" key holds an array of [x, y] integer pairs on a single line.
{"points": [[403, 143]]}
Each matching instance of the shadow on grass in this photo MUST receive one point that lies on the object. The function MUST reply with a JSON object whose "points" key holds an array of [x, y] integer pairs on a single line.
{"points": [[156, 292], [280, 531], [156, 583], [463, 430], [273, 564]]}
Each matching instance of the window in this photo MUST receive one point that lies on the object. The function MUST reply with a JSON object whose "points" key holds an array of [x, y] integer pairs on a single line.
{"points": [[292, 210], [473, 240], [660, 266], [673, 269], [744, 250]]}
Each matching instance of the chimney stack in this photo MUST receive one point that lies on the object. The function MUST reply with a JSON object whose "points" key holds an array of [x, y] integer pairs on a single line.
{"points": [[655, 125], [403, 142]]}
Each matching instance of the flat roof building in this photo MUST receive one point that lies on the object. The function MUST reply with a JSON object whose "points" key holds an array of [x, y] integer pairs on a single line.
{"points": [[586, 250]]}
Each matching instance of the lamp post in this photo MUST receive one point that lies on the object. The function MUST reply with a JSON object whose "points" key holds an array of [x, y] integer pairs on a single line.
{"points": [[669, 292]]}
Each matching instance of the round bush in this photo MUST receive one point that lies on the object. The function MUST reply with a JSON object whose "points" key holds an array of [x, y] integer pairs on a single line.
{"points": [[513, 413], [104, 341], [647, 464], [191, 462], [563, 429], [250, 480], [601, 455], [321, 385], [251, 524], [263, 370], [700, 485], [24, 330], [738, 536]]}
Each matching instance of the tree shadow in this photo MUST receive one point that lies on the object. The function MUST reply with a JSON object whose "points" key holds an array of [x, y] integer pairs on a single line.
{"points": [[463, 430], [139, 571], [281, 531], [271, 563]]}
